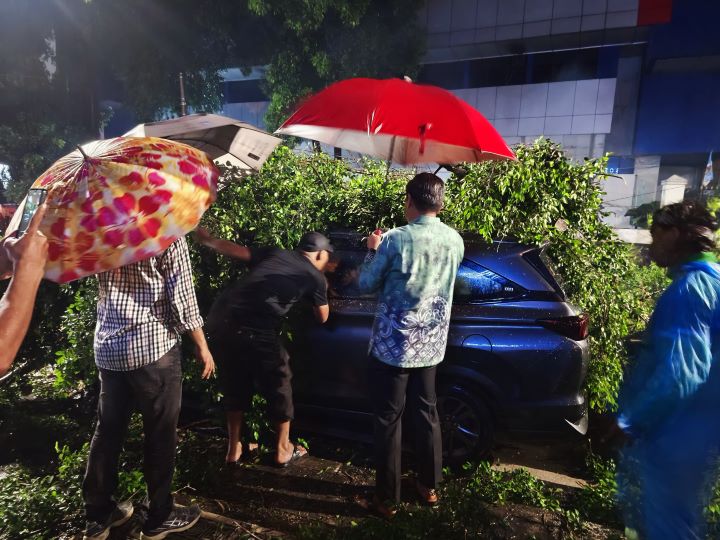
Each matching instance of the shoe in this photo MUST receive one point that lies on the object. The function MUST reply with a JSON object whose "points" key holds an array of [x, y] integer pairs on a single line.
{"points": [[180, 519], [426, 495], [376, 506], [100, 531]]}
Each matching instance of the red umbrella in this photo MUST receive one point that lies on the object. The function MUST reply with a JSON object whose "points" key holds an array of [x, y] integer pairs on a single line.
{"points": [[397, 120]]}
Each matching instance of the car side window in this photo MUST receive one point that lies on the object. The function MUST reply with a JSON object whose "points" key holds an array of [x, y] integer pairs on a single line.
{"points": [[475, 283], [344, 264]]}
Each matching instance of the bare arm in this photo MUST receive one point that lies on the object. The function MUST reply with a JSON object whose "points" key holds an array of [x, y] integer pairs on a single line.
{"points": [[176, 269], [28, 255], [224, 247], [202, 352]]}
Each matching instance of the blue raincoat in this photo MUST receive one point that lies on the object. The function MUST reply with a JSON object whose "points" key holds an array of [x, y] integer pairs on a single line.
{"points": [[670, 405]]}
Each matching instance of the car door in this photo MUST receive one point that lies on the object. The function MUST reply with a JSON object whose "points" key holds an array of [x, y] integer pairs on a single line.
{"points": [[330, 361]]}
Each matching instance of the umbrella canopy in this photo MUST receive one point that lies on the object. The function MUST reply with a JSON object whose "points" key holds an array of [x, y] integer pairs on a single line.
{"points": [[223, 139], [397, 120], [118, 201]]}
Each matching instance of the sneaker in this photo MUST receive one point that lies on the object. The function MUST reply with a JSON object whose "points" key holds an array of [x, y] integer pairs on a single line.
{"points": [[100, 531], [180, 519]]}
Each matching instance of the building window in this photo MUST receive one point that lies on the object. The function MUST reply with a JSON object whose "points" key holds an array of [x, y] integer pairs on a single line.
{"points": [[574, 65], [244, 91]]}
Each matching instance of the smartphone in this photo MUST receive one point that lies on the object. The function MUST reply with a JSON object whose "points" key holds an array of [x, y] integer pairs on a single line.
{"points": [[34, 199]]}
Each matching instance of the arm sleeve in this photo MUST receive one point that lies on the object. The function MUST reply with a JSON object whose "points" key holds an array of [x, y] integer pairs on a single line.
{"points": [[176, 270], [319, 295], [677, 362], [376, 266]]}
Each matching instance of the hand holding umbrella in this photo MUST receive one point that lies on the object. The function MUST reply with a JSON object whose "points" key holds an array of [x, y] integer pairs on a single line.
{"points": [[118, 201]]}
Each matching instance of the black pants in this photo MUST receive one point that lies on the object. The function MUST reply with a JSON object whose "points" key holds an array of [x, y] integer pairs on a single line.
{"points": [[247, 358], [390, 388], [156, 391]]}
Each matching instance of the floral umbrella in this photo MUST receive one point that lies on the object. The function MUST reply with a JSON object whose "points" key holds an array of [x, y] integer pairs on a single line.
{"points": [[118, 201]]}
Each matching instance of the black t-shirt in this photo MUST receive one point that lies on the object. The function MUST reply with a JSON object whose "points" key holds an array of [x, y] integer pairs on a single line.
{"points": [[278, 279]]}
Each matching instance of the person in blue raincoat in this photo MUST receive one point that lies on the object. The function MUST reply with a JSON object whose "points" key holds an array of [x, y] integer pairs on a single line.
{"points": [[669, 404]]}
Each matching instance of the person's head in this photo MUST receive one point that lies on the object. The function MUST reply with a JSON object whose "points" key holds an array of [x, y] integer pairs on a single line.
{"points": [[681, 230], [424, 195], [317, 248]]}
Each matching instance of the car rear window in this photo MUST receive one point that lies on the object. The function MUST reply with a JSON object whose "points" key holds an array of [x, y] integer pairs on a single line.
{"points": [[475, 283], [542, 263]]}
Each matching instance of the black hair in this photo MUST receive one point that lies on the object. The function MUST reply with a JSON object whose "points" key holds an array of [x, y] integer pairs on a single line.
{"points": [[697, 226], [427, 192]]}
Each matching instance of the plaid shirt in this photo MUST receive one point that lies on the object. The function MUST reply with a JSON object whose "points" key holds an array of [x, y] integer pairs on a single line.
{"points": [[143, 308]]}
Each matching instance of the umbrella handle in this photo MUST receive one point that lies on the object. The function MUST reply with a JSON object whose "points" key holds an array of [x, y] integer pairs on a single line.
{"points": [[389, 161]]}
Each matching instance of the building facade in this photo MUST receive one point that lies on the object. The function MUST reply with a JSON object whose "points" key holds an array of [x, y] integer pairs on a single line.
{"points": [[633, 78]]}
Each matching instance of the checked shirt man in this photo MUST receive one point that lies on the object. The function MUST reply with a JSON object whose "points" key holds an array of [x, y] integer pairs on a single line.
{"points": [[413, 267], [142, 311]]}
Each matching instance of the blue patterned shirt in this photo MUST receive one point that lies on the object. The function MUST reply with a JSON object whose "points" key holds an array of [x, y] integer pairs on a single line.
{"points": [[414, 269]]}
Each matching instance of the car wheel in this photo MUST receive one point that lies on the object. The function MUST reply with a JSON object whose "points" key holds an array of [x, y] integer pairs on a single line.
{"points": [[467, 424]]}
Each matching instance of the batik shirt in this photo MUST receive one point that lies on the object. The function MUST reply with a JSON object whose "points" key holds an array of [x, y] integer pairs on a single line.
{"points": [[414, 270]]}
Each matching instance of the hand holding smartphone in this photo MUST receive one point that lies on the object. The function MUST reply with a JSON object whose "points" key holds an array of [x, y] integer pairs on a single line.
{"points": [[35, 198]]}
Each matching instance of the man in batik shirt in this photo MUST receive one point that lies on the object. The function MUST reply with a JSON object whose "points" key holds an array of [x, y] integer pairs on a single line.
{"points": [[413, 267]]}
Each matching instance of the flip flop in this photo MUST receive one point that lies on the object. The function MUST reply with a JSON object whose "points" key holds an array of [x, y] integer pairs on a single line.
{"points": [[296, 455]]}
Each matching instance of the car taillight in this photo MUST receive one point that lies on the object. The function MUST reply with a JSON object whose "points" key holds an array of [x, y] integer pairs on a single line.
{"points": [[575, 327]]}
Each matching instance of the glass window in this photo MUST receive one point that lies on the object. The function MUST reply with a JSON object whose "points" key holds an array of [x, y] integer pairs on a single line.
{"points": [[248, 91], [475, 283], [340, 274]]}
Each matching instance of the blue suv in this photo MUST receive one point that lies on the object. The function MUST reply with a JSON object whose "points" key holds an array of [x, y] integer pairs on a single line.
{"points": [[516, 358]]}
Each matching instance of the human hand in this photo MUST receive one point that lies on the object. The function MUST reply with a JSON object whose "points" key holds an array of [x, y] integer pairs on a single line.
{"points": [[202, 354], [374, 240], [202, 235], [31, 249]]}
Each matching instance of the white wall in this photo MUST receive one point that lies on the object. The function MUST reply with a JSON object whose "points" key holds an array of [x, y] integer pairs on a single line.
{"points": [[577, 114]]}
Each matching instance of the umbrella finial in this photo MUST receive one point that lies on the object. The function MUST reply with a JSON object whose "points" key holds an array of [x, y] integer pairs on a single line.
{"points": [[407, 79], [87, 158]]}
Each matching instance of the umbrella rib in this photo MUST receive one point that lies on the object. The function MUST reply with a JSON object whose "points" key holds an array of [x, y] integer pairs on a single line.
{"points": [[224, 150]]}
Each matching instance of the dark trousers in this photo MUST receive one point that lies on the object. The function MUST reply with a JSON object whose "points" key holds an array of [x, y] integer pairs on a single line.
{"points": [[155, 390], [391, 388], [247, 358]]}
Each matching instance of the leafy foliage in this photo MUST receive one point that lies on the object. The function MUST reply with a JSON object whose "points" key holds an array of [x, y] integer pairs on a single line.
{"points": [[320, 45], [465, 511], [75, 363], [543, 197]]}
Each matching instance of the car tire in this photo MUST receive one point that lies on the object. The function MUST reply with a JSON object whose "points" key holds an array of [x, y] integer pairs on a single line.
{"points": [[468, 427]]}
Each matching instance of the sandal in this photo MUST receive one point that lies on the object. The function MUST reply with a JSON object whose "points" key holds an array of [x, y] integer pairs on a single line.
{"points": [[248, 455], [427, 495], [296, 455], [375, 506]]}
